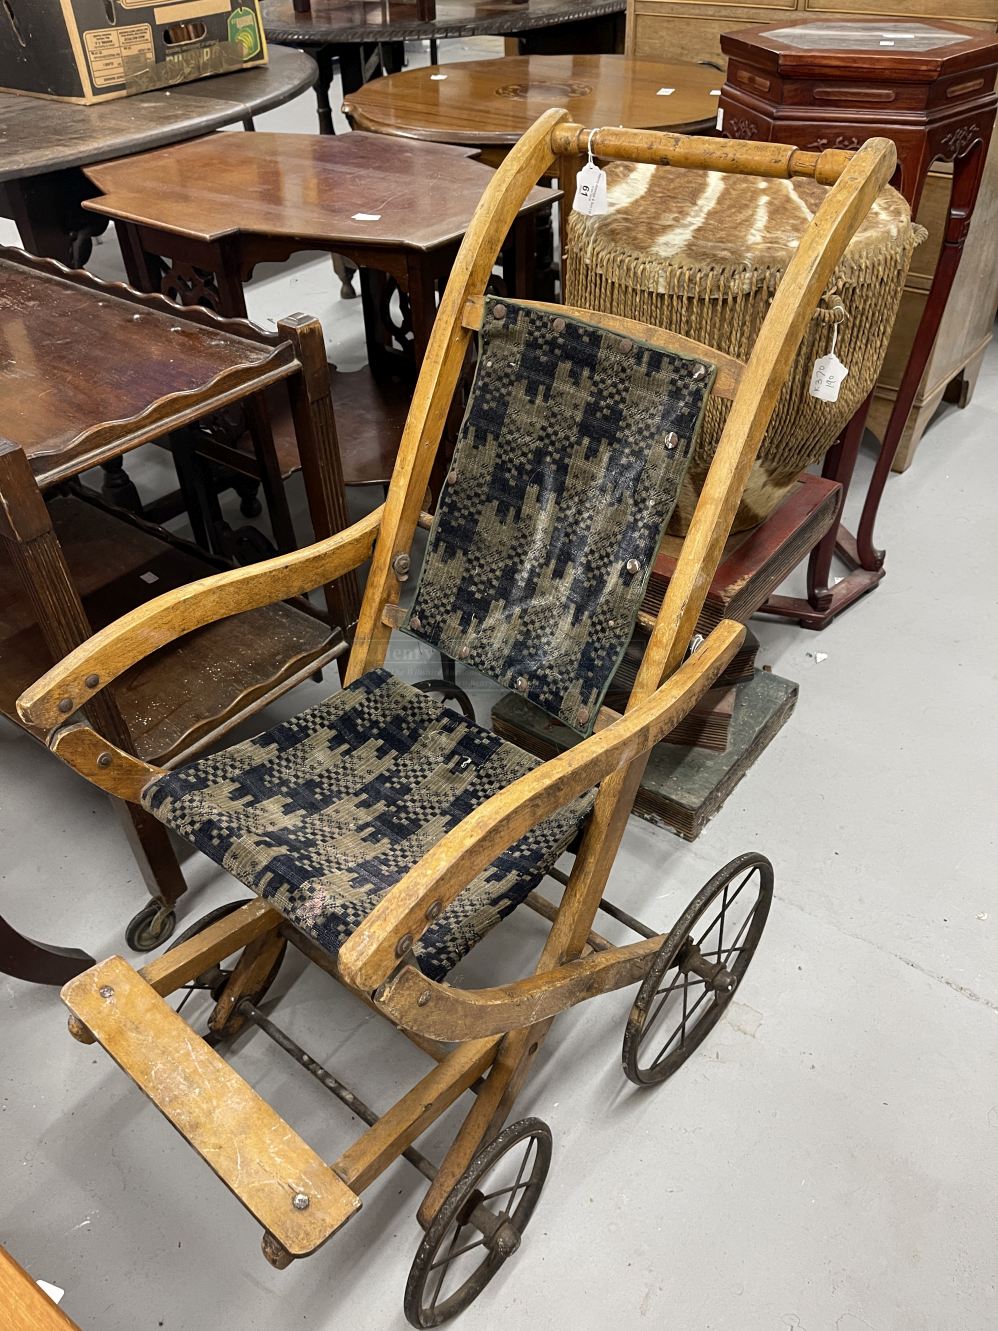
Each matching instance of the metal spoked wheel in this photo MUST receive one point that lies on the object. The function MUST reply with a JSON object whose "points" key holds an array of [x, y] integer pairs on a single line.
{"points": [[469, 1239], [213, 981], [697, 969]]}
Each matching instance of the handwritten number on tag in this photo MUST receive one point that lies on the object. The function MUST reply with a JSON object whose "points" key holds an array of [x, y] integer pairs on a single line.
{"points": [[827, 377], [590, 191]]}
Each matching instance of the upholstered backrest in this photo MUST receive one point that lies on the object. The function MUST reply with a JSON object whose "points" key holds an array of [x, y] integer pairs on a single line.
{"points": [[566, 471]]}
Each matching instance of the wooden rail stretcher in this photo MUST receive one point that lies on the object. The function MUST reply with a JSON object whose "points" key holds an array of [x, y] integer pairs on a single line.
{"points": [[383, 833]]}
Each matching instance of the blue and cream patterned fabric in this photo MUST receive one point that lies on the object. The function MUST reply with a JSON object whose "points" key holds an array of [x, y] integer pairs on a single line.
{"points": [[326, 812], [565, 475]]}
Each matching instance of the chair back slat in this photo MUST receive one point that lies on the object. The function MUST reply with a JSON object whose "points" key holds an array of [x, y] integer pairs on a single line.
{"points": [[567, 468]]}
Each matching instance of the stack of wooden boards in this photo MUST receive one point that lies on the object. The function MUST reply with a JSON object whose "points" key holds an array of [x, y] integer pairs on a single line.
{"points": [[689, 778]]}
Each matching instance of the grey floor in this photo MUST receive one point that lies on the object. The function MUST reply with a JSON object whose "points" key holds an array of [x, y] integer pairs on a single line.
{"points": [[826, 1162]]}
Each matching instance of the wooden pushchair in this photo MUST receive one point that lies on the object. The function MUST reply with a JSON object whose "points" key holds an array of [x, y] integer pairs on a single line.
{"points": [[383, 834]]}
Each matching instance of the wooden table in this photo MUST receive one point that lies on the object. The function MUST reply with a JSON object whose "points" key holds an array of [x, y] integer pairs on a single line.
{"points": [[220, 205], [88, 371], [43, 143], [488, 104], [39, 963], [928, 85], [365, 38]]}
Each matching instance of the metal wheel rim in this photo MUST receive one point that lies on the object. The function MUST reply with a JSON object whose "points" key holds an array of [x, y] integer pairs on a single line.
{"points": [[460, 1200], [652, 997]]}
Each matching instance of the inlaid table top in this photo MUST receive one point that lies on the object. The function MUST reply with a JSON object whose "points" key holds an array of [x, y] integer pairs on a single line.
{"points": [[492, 102], [354, 189], [40, 135], [346, 21]]}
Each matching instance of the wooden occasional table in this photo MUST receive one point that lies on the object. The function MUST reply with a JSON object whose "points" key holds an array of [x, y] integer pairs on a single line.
{"points": [[46, 143], [217, 207], [488, 104], [364, 38], [929, 86], [88, 371]]}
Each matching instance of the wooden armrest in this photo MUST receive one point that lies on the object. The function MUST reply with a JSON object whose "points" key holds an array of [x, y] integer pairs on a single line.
{"points": [[108, 653], [371, 954]]}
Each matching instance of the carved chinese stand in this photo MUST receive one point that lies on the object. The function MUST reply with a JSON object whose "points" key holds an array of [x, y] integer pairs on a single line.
{"points": [[930, 88]]}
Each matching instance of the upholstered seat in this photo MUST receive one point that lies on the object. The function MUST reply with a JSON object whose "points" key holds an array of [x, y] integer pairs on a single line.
{"points": [[324, 813]]}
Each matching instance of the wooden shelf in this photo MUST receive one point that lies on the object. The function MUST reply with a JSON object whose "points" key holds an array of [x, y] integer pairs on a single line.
{"points": [[184, 695], [370, 417]]}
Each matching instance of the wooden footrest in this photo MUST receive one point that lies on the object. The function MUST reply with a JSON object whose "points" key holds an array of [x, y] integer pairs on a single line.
{"points": [[277, 1176]]}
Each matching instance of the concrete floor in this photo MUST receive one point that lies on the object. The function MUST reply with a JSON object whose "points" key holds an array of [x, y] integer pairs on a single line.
{"points": [[825, 1162]]}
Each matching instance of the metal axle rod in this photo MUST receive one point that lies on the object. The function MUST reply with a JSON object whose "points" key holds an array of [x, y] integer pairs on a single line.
{"points": [[492, 1226], [343, 1093], [608, 908]]}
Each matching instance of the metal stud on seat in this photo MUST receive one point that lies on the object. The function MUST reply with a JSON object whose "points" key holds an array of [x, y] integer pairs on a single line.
{"points": [[499, 311], [632, 566], [671, 440], [700, 372], [558, 325]]}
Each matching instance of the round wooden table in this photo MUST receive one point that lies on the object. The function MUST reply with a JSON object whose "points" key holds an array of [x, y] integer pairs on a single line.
{"points": [[367, 40], [45, 143], [488, 104]]}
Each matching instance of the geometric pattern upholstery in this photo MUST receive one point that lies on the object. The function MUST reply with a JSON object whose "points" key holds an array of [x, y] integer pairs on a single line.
{"points": [[327, 811], [566, 471]]}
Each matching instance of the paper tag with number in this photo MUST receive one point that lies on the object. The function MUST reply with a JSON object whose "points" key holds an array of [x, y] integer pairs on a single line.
{"points": [[590, 191], [827, 377]]}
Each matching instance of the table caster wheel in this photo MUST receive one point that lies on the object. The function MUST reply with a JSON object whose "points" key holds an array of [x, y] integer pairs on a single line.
{"points": [[697, 969], [469, 1239], [151, 926]]}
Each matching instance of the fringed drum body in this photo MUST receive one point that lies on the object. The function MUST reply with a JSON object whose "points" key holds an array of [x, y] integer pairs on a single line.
{"points": [[702, 253]]}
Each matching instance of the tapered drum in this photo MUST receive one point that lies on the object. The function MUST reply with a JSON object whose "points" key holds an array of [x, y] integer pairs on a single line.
{"points": [[702, 253]]}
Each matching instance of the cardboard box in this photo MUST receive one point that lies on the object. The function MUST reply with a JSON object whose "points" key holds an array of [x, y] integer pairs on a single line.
{"points": [[93, 50]]}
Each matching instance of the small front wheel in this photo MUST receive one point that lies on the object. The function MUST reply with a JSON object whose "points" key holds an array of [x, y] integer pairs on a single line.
{"points": [[480, 1224], [697, 969]]}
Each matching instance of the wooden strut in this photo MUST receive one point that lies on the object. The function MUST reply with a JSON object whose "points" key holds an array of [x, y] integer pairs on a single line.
{"points": [[499, 1030]]}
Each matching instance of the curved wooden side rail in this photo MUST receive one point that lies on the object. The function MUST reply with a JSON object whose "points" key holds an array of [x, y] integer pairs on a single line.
{"points": [[371, 953], [442, 1012], [114, 649], [734, 156], [102, 763]]}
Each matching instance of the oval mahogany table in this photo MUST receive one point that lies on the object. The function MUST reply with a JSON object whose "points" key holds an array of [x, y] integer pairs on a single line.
{"points": [[488, 104], [44, 143], [366, 38]]}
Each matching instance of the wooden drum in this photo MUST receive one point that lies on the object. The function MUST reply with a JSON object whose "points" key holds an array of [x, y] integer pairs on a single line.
{"points": [[701, 254]]}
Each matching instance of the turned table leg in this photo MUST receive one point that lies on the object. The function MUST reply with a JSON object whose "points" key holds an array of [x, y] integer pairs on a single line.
{"points": [[968, 170]]}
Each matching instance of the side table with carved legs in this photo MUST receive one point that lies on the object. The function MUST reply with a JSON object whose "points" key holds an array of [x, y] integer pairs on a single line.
{"points": [[929, 86]]}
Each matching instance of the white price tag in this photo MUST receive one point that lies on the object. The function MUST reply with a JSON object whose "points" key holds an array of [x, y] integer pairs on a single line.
{"points": [[366, 217], [437, 78], [590, 191], [665, 92], [720, 118], [827, 377]]}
